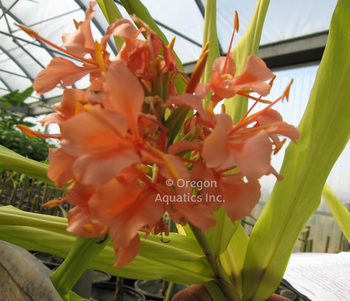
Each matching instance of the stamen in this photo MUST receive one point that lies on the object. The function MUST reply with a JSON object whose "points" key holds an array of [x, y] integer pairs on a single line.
{"points": [[53, 203], [26, 131], [254, 129], [236, 21], [171, 44], [88, 106], [155, 171], [28, 30], [227, 76], [236, 27], [200, 133], [244, 117], [35, 35], [174, 172], [143, 168], [198, 70], [30, 133], [210, 109], [76, 24], [246, 94], [77, 108], [279, 146], [286, 91], [272, 80], [105, 229], [90, 228], [99, 56], [223, 109]]}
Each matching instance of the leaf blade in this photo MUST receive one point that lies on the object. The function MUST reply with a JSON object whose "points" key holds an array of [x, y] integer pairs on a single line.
{"points": [[306, 166], [339, 211]]}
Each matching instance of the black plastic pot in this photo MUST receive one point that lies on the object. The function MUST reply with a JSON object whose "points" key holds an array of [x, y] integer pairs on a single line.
{"points": [[105, 291], [152, 289], [51, 261], [97, 276]]}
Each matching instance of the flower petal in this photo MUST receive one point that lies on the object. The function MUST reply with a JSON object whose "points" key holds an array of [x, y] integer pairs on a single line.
{"points": [[255, 70], [252, 156], [93, 131], [79, 194], [183, 145], [240, 198], [99, 167], [59, 70], [120, 28], [124, 256], [216, 150], [124, 94], [78, 217], [60, 169]]}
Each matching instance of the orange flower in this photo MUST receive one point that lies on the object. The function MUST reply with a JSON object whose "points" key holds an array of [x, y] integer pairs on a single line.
{"points": [[114, 144], [224, 84], [77, 45]]}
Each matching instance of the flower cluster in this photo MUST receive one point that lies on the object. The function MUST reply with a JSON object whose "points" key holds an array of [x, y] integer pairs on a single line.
{"points": [[117, 137]]}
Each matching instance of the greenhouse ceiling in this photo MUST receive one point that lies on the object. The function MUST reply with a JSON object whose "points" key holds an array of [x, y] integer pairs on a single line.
{"points": [[294, 32]]}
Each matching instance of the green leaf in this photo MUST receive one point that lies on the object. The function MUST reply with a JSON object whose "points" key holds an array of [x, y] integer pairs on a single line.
{"points": [[236, 107], [233, 258], [340, 213], [210, 35], [15, 99], [325, 128], [13, 161], [215, 291], [112, 13], [21, 97], [185, 230], [220, 235], [180, 261]]}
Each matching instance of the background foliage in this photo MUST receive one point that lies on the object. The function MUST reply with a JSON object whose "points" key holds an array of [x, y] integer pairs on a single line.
{"points": [[10, 137]]}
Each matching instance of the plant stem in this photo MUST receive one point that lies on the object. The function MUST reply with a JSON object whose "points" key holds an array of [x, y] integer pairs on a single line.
{"points": [[119, 291], [214, 262], [170, 292]]}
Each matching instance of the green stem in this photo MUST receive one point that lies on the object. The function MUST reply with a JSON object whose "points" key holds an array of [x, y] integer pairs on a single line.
{"points": [[214, 262], [170, 292], [175, 122], [82, 254]]}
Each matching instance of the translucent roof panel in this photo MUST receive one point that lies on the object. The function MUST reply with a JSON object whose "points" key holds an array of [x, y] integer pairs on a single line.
{"points": [[22, 58]]}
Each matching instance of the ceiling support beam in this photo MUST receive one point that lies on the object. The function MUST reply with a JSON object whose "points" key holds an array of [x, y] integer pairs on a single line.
{"points": [[294, 51], [289, 52]]}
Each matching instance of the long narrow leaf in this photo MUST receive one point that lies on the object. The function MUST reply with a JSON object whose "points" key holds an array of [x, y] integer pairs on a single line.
{"points": [[13, 161], [180, 261], [325, 129], [233, 258], [210, 35], [340, 213]]}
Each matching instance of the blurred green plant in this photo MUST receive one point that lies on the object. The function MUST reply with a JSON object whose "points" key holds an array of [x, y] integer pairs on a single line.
{"points": [[10, 137]]}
